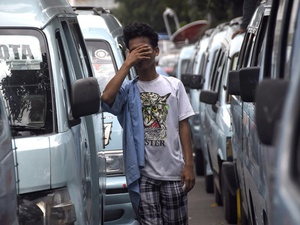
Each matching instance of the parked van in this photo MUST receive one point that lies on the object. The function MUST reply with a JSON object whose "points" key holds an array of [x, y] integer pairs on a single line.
{"points": [[212, 49], [50, 95], [277, 111], [250, 162], [103, 35], [202, 66], [194, 83], [8, 191], [218, 116]]}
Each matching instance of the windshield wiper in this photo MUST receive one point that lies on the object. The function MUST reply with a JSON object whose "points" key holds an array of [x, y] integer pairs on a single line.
{"points": [[26, 128]]}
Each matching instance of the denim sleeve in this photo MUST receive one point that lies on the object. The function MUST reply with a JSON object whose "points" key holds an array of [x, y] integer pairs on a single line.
{"points": [[117, 107]]}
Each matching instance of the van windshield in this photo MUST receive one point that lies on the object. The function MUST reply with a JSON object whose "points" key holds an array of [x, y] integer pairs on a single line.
{"points": [[25, 81], [103, 62]]}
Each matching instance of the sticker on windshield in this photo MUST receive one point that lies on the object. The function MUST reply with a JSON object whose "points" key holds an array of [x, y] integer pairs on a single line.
{"points": [[20, 52]]}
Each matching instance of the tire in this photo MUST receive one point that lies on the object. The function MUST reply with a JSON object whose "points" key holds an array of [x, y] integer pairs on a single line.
{"points": [[199, 162], [229, 203], [218, 196], [244, 220], [209, 183]]}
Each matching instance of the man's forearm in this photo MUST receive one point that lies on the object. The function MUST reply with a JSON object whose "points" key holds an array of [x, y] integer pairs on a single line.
{"points": [[109, 94]]}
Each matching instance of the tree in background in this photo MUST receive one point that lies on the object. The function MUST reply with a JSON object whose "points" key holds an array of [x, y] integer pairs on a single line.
{"points": [[151, 12]]}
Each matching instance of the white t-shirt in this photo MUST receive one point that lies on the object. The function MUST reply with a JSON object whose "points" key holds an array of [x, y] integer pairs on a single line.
{"points": [[164, 104]]}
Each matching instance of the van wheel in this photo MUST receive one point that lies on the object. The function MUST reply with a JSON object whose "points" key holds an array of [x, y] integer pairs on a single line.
{"points": [[209, 182], [229, 203], [244, 220], [218, 196], [199, 162]]}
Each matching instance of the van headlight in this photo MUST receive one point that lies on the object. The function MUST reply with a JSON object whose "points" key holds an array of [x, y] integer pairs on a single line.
{"points": [[44, 208], [114, 162]]}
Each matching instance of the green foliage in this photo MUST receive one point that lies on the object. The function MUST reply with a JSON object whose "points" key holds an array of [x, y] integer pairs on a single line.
{"points": [[151, 12]]}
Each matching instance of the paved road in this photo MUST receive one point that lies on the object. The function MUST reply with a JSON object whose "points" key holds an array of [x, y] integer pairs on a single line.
{"points": [[202, 208]]}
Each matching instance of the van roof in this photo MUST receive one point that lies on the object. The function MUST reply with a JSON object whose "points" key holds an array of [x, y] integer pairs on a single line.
{"points": [[20, 13], [110, 21], [94, 27]]}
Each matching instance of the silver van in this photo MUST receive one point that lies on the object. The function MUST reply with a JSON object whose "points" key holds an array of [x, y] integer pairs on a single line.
{"points": [[218, 116], [103, 35], [50, 95], [194, 83], [8, 191], [251, 160], [277, 111]]}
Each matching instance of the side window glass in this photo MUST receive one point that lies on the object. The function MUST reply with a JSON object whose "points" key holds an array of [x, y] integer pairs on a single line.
{"points": [[215, 59], [185, 65], [203, 64], [72, 32], [25, 82], [288, 38], [220, 73], [260, 36], [195, 63], [216, 71], [232, 66], [243, 50], [248, 50], [103, 61], [65, 74]]}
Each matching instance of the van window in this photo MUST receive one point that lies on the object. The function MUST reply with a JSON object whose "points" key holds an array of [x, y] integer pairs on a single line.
{"points": [[285, 30], [65, 74], [103, 61], [185, 66], [260, 37], [216, 70], [25, 81], [203, 64], [82, 64]]}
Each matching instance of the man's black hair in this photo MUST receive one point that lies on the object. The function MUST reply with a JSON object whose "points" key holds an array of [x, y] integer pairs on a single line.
{"points": [[136, 29]]}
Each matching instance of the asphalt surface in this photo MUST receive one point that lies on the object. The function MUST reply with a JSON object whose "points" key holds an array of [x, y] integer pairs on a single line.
{"points": [[202, 207]]}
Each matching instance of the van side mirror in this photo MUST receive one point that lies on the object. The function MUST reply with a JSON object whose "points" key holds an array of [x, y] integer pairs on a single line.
{"points": [[209, 97], [248, 77], [233, 82], [270, 95], [193, 81], [85, 97]]}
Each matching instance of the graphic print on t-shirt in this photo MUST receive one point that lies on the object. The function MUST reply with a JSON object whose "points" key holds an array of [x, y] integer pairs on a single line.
{"points": [[155, 111]]}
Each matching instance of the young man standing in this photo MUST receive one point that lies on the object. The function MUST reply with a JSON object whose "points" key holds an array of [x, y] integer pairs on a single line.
{"points": [[154, 111]]}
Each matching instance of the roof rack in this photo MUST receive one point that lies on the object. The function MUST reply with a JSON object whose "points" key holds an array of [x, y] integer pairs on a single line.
{"points": [[96, 10]]}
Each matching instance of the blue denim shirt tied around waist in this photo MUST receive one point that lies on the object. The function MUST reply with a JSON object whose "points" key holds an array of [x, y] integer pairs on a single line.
{"points": [[127, 107]]}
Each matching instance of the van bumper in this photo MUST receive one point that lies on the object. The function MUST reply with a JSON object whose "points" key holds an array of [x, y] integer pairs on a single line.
{"points": [[118, 208]]}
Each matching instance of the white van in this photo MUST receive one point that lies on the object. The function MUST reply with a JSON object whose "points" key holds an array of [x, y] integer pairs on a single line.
{"points": [[50, 94]]}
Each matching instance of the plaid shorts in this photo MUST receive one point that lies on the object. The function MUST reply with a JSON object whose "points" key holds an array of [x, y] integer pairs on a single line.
{"points": [[162, 202]]}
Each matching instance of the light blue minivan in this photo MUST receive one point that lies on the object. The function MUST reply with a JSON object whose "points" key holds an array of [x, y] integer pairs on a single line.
{"points": [[251, 161], [218, 117], [51, 96], [277, 111]]}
